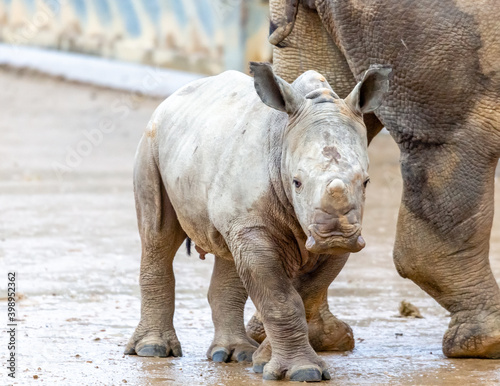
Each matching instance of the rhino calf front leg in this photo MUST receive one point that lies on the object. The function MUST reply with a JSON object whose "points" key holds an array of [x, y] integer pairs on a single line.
{"points": [[227, 297], [261, 269], [325, 331]]}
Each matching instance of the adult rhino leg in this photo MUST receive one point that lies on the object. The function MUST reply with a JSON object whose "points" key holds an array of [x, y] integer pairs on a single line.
{"points": [[325, 331], [161, 236], [442, 241], [308, 46], [227, 298], [262, 272]]}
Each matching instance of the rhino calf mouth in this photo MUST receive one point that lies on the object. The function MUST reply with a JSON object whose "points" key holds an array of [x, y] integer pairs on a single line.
{"points": [[324, 233], [334, 241]]}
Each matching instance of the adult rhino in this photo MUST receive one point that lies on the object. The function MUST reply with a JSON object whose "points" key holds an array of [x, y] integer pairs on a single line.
{"points": [[443, 110], [275, 192]]}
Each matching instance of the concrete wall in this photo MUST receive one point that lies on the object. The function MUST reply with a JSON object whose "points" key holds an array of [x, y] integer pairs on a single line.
{"points": [[207, 36]]}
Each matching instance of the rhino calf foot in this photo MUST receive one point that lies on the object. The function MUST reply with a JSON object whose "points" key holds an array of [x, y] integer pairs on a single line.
{"points": [[327, 333], [308, 373], [241, 351], [262, 356], [301, 369], [154, 345], [476, 338]]}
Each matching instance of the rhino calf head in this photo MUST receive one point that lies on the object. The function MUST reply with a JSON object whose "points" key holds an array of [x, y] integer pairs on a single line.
{"points": [[324, 161]]}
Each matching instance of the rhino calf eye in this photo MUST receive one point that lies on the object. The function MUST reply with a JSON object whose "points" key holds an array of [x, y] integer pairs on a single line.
{"points": [[297, 183]]}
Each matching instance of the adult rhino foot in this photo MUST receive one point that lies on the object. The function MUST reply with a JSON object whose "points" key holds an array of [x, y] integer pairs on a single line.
{"points": [[236, 351], [327, 333], [153, 344], [473, 337], [255, 328], [307, 368]]}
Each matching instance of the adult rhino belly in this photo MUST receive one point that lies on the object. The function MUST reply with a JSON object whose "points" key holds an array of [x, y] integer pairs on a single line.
{"points": [[210, 139]]}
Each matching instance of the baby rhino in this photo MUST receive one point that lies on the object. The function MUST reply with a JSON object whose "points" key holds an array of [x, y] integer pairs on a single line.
{"points": [[269, 177]]}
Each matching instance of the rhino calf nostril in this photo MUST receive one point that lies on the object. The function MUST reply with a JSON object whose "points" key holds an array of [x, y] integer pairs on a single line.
{"points": [[350, 213], [361, 242]]}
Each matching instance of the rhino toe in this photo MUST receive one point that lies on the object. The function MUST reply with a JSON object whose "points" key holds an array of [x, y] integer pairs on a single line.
{"points": [[244, 356], [153, 350], [259, 367], [130, 351], [220, 354], [241, 351], [306, 374], [154, 345], [307, 368]]}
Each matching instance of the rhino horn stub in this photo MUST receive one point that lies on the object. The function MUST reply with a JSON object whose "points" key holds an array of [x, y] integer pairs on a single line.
{"points": [[322, 95], [336, 188]]}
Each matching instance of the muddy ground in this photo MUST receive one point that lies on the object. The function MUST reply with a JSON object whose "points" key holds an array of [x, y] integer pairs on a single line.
{"points": [[68, 229]]}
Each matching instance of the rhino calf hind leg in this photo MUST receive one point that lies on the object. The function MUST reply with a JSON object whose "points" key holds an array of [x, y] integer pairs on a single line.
{"points": [[161, 236], [227, 298]]}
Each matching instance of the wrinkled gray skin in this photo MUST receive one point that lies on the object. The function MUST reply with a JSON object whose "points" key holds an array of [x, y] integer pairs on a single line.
{"points": [[274, 192], [443, 110]]}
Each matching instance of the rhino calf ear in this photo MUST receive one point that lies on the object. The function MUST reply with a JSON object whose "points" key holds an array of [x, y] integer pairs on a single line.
{"points": [[273, 90], [369, 93]]}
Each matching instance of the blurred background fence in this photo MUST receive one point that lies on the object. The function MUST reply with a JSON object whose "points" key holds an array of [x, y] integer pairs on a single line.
{"points": [[204, 36]]}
